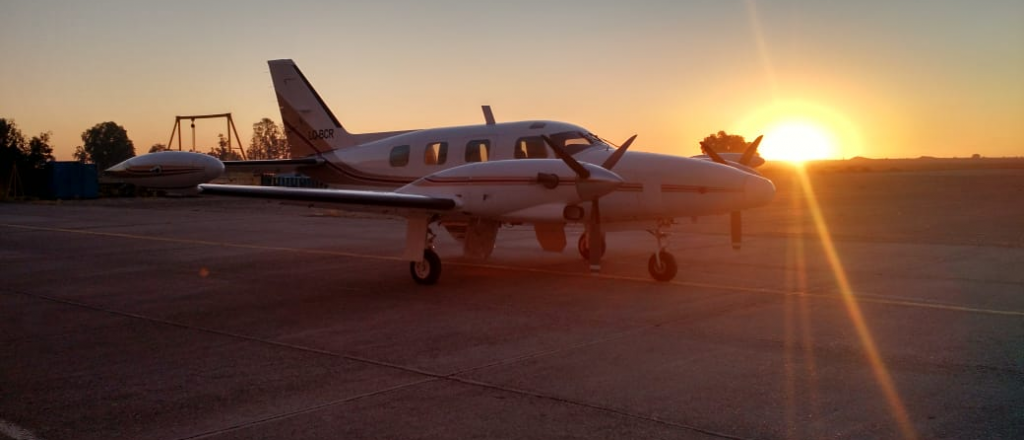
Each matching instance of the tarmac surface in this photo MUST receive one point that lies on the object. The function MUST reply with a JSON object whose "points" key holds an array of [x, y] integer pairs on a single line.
{"points": [[900, 314]]}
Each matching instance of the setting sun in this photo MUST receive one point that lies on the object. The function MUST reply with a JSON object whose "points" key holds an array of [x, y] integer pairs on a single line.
{"points": [[798, 141], [799, 131]]}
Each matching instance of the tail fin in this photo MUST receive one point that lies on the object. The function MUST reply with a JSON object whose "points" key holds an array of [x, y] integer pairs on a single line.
{"points": [[310, 126]]}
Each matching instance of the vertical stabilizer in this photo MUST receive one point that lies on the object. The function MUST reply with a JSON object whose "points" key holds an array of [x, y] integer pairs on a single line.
{"points": [[310, 126]]}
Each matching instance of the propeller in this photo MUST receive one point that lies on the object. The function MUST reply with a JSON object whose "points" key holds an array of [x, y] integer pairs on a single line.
{"points": [[735, 217], [710, 152], [594, 234], [751, 151], [614, 158], [578, 168]]}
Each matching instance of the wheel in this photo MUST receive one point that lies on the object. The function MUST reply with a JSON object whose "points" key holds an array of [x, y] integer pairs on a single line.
{"points": [[428, 270], [666, 270], [583, 246]]}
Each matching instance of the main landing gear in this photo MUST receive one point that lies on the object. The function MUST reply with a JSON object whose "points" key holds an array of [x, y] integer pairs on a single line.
{"points": [[583, 246], [428, 270]]}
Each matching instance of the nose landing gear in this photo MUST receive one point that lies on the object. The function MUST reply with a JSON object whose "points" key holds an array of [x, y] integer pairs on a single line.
{"points": [[662, 264]]}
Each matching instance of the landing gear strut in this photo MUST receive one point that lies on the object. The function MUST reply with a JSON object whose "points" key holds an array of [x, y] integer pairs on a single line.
{"points": [[662, 265], [583, 246]]}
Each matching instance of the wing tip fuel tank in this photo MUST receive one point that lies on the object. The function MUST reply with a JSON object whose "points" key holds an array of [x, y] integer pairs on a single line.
{"points": [[167, 170]]}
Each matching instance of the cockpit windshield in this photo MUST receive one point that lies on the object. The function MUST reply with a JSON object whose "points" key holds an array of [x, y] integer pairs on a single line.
{"points": [[574, 141]]}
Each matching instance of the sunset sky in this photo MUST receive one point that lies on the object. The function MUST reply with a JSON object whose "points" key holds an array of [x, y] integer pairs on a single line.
{"points": [[874, 78]]}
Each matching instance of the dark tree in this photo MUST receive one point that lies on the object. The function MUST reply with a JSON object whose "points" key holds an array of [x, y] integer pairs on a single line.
{"points": [[39, 151], [105, 144], [156, 148], [723, 142], [21, 163], [12, 145], [80, 154], [268, 142], [223, 151]]}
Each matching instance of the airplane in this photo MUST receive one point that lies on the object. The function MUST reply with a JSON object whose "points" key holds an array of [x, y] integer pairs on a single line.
{"points": [[472, 179]]}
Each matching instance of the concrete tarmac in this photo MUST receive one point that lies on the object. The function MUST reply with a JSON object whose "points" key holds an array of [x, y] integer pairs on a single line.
{"points": [[220, 318]]}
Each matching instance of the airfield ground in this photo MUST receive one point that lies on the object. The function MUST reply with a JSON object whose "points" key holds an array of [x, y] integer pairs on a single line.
{"points": [[237, 319]]}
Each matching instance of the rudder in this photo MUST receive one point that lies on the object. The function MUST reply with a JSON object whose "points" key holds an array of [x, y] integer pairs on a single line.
{"points": [[309, 125]]}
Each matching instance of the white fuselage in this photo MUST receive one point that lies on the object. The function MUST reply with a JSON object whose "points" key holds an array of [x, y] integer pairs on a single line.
{"points": [[654, 186]]}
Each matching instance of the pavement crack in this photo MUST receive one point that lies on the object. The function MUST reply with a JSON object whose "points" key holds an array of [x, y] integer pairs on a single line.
{"points": [[307, 410]]}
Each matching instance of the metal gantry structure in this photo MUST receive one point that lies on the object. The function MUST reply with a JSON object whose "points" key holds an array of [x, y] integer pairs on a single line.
{"points": [[192, 120]]}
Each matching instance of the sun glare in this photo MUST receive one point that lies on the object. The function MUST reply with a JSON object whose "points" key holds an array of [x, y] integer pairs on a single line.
{"points": [[798, 142], [799, 131]]}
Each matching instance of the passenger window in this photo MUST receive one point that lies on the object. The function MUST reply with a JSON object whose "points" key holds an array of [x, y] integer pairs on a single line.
{"points": [[530, 148], [399, 156], [478, 150], [436, 153]]}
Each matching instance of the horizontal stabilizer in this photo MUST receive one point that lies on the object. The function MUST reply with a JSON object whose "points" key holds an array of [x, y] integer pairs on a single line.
{"points": [[272, 165]]}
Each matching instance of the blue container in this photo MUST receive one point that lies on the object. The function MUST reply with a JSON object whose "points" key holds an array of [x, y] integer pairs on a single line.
{"points": [[72, 180]]}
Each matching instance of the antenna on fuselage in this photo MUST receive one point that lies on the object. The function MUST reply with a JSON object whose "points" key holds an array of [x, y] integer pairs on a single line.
{"points": [[488, 115]]}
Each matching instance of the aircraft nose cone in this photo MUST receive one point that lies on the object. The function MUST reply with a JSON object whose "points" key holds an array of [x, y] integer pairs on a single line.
{"points": [[758, 191]]}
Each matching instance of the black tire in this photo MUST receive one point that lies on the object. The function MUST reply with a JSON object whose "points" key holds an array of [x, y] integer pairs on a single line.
{"points": [[428, 271], [583, 246], [664, 272]]}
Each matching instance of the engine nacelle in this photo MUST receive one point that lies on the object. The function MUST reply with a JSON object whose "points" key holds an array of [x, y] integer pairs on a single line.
{"points": [[491, 189], [167, 170]]}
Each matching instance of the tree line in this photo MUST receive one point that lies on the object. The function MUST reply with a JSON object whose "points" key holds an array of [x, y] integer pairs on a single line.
{"points": [[107, 143]]}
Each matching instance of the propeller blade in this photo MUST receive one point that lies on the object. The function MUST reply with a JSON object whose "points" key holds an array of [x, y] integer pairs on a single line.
{"points": [[748, 155], [736, 228], [713, 154], [594, 237], [580, 171], [614, 158]]}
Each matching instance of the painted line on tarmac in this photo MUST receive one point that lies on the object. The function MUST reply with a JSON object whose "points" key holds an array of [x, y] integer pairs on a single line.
{"points": [[202, 242], [756, 290]]}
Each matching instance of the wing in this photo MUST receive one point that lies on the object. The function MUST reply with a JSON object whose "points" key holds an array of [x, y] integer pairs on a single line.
{"points": [[351, 200]]}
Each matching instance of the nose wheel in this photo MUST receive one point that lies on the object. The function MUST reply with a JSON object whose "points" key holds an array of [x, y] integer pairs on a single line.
{"points": [[662, 265]]}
